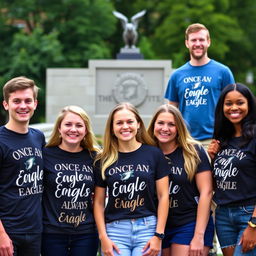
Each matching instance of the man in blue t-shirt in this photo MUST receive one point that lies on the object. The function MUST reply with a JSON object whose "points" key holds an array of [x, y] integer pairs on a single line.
{"points": [[195, 87], [21, 172]]}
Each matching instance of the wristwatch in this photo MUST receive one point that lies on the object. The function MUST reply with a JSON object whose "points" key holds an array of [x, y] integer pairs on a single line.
{"points": [[252, 222], [159, 235]]}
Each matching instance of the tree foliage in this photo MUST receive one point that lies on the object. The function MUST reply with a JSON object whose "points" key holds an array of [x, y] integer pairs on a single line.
{"points": [[231, 25], [37, 34]]}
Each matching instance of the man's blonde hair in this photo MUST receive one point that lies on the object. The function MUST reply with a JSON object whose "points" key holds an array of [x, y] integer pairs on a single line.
{"points": [[193, 28]]}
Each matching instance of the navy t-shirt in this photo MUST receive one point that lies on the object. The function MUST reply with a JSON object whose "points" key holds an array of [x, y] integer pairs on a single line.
{"points": [[184, 194], [67, 199], [235, 173], [131, 183], [21, 180]]}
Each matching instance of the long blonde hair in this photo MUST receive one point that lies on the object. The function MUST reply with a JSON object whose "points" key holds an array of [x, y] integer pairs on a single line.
{"points": [[109, 154], [89, 140], [183, 139]]}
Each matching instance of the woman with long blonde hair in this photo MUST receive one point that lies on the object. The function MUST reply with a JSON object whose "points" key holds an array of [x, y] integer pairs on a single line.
{"points": [[188, 230], [68, 222], [134, 172]]}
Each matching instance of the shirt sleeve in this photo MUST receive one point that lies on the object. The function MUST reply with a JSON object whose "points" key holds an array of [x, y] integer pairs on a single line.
{"points": [[162, 168], [204, 165], [228, 77], [1, 157], [98, 177], [171, 92]]}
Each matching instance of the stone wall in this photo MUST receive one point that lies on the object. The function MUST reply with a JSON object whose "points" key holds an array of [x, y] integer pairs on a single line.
{"points": [[104, 84]]}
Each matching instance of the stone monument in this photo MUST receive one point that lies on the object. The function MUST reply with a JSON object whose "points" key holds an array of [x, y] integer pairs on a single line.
{"points": [[105, 83], [130, 36]]}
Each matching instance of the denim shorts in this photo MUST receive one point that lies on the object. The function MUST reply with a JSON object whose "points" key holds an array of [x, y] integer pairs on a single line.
{"points": [[230, 225], [185, 233], [131, 235]]}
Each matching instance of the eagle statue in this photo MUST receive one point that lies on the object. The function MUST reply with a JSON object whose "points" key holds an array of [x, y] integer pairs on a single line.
{"points": [[130, 34]]}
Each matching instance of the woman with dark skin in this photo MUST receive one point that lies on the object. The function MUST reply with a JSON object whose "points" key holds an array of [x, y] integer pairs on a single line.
{"points": [[233, 153]]}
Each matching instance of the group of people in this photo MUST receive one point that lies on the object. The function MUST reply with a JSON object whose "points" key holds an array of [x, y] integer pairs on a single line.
{"points": [[221, 115], [147, 191]]}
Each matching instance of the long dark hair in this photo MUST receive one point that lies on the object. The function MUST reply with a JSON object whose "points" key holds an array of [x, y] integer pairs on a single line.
{"points": [[223, 128]]}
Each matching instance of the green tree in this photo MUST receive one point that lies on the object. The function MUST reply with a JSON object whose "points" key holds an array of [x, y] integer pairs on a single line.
{"points": [[242, 55], [55, 33], [176, 15], [162, 29]]}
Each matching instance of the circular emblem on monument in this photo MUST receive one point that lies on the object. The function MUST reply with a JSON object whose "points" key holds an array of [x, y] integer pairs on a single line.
{"points": [[130, 87]]}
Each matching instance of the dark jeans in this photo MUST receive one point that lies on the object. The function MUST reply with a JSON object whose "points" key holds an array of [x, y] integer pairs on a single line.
{"points": [[26, 244], [69, 245]]}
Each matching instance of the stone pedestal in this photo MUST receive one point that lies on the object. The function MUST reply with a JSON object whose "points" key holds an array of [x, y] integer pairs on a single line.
{"points": [[129, 54], [104, 84]]}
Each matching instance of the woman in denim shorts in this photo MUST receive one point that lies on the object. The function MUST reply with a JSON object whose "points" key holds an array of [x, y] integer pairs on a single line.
{"points": [[136, 175], [234, 160], [189, 229]]}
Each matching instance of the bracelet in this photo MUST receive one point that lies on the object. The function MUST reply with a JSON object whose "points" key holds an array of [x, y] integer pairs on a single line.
{"points": [[251, 224]]}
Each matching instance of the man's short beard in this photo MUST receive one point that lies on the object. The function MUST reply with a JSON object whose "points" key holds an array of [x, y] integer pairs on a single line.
{"points": [[198, 57]]}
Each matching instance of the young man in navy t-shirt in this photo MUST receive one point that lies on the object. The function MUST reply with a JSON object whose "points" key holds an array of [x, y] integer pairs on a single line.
{"points": [[21, 172]]}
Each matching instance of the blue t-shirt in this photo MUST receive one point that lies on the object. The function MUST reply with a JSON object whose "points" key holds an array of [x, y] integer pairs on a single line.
{"points": [[197, 90], [131, 183], [234, 171], [184, 194], [68, 186], [21, 180]]}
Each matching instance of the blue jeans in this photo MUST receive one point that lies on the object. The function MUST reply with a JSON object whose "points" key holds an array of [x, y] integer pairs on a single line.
{"points": [[26, 244], [230, 225], [131, 235], [69, 245]]}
